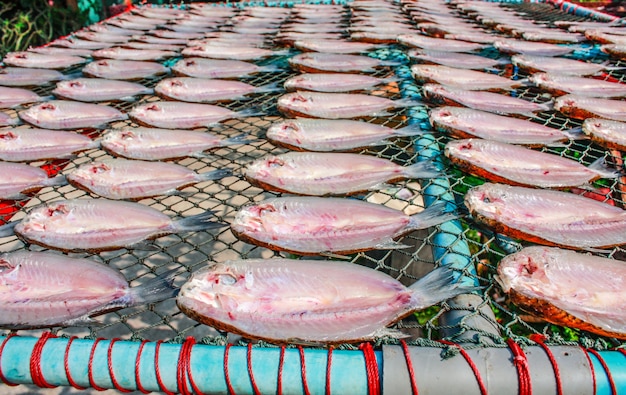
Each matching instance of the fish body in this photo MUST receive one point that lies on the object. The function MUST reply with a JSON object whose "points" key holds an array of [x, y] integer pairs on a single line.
{"points": [[156, 144], [77, 43], [583, 107], [454, 59], [512, 46], [200, 90], [25, 145], [218, 68], [15, 97], [515, 165], [333, 82], [463, 79], [50, 50], [177, 115], [319, 174], [557, 65], [618, 50], [334, 46], [581, 86], [232, 52], [20, 76], [318, 225], [567, 288], [311, 62], [41, 61], [18, 179], [548, 217], [7, 120], [101, 224], [438, 44], [607, 133], [43, 289], [120, 53], [337, 105], [333, 134], [306, 301], [105, 37], [63, 114], [485, 101], [123, 69], [97, 89]]}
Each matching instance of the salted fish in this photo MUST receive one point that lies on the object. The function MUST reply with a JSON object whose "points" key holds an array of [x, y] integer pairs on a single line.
{"points": [[7, 120], [25, 145], [323, 173], [512, 46], [232, 52], [21, 76], [61, 51], [454, 59], [516, 165], [485, 101], [607, 133], [123, 69], [177, 115], [19, 179], [307, 301], [470, 80], [338, 105], [101, 224], [334, 46], [77, 43], [581, 86], [218, 68], [583, 107], [134, 179], [120, 53], [567, 288], [559, 65], [334, 82], [40, 61], [319, 225], [311, 62], [156, 144], [548, 217], [438, 44], [201, 90], [106, 37], [64, 114], [44, 289], [464, 122], [618, 50], [15, 97], [98, 89]]}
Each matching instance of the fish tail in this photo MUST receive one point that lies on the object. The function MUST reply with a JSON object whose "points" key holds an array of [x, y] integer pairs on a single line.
{"points": [[389, 80], [424, 169], [271, 68], [408, 131], [431, 216], [600, 166], [56, 181], [242, 138], [437, 286], [271, 87], [154, 290], [407, 103], [390, 63], [250, 112], [575, 133], [6, 230], [214, 175], [196, 223]]}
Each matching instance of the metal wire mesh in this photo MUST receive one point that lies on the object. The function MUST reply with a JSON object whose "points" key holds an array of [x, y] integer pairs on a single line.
{"points": [[191, 251]]}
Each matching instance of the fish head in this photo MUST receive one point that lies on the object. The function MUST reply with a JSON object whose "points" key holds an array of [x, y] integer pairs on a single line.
{"points": [[565, 103], [539, 78], [9, 272], [120, 139], [527, 269], [253, 219], [264, 168], [461, 149], [219, 286], [88, 172], [288, 132], [487, 199]]}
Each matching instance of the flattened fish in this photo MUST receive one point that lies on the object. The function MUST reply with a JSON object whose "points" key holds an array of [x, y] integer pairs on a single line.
{"points": [[7, 120], [334, 46], [312, 62], [123, 69], [15, 97], [97, 89], [40, 61], [25, 145], [232, 52], [438, 44], [558, 65], [63, 114], [512, 46], [454, 59], [582, 107], [607, 133], [19, 179], [561, 84], [201, 90], [20, 76], [334, 82], [470, 80], [121, 53], [219, 68]]}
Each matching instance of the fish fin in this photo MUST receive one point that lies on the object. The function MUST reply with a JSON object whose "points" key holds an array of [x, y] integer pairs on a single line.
{"points": [[575, 133], [614, 68], [71, 76], [390, 245], [129, 99], [390, 63], [407, 103], [424, 169], [242, 138], [390, 333], [383, 114], [196, 223], [389, 80], [524, 82], [547, 106], [329, 254], [145, 245], [283, 52], [411, 130], [270, 68], [17, 196], [599, 166], [381, 187], [250, 112], [81, 321], [47, 98], [431, 216], [56, 181], [214, 175], [271, 87], [597, 250], [6, 230], [437, 286], [154, 290], [201, 155]]}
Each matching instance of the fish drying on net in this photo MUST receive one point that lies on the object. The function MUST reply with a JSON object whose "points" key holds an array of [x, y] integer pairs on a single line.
{"points": [[607, 133], [567, 288], [512, 46], [19, 179], [7, 120], [16, 97], [581, 86], [65, 114], [618, 50], [201, 90], [123, 69], [40, 61], [44, 289], [323, 173], [219, 68], [438, 44], [232, 52], [134, 179], [334, 134], [316, 62], [26, 145], [455, 59], [548, 217], [20, 76], [557, 65], [334, 82], [320, 225], [463, 79], [334, 46], [77, 43], [583, 107], [306, 301], [60, 51], [120, 53], [98, 89]]}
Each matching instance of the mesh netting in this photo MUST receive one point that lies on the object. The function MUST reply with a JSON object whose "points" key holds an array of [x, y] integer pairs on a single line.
{"points": [[163, 321]]}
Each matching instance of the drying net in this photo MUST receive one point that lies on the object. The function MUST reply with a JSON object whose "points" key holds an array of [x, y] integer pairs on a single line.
{"points": [[189, 252]]}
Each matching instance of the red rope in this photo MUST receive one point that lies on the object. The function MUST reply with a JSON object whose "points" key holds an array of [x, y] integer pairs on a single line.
{"points": [[606, 370], [2, 376], [622, 351], [371, 367], [116, 385], [329, 361], [66, 364], [281, 363], [593, 371], [190, 342], [255, 389], [183, 369], [229, 385], [90, 365], [479, 379], [409, 365], [305, 385], [162, 386], [35, 361], [521, 364], [539, 339], [137, 370]]}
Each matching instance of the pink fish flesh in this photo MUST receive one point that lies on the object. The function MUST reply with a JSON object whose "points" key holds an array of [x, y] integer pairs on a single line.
{"points": [[96, 89], [7, 120], [200, 90], [40, 61], [18, 179], [306, 301], [218, 68], [157, 144], [15, 97], [102, 37], [561, 84], [607, 133], [334, 134], [454, 59], [531, 48], [19, 76], [559, 65], [101, 224], [50, 50], [618, 50], [160, 47], [319, 174], [582, 107], [334, 82], [77, 43], [232, 52], [318, 225], [334, 46], [338, 105], [120, 53], [437, 44], [177, 115], [567, 288], [485, 101], [515, 165], [466, 122], [470, 80], [338, 63], [160, 40], [44, 289], [123, 69], [63, 114], [548, 217], [24, 145]]}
